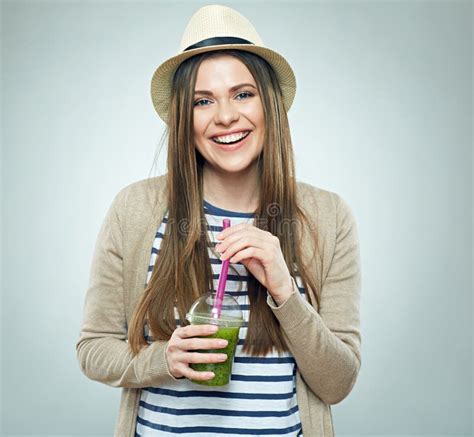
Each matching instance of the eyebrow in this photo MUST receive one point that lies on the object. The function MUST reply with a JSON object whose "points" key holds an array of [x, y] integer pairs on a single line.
{"points": [[234, 88]]}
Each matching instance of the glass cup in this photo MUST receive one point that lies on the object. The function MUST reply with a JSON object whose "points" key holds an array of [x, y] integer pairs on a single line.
{"points": [[229, 322]]}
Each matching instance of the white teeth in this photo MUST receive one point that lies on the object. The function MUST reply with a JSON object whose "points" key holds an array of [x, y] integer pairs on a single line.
{"points": [[231, 138]]}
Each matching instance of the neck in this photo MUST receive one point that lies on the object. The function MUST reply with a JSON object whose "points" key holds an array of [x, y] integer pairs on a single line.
{"points": [[234, 192]]}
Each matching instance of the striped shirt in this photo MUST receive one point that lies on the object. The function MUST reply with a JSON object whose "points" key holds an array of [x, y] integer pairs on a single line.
{"points": [[260, 399]]}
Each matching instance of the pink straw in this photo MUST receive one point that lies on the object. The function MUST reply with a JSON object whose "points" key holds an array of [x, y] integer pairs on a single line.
{"points": [[216, 310]]}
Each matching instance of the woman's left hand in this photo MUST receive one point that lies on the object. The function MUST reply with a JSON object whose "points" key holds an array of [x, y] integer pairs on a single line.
{"points": [[259, 251]]}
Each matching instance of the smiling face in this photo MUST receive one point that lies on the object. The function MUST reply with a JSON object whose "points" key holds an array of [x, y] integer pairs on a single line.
{"points": [[230, 104]]}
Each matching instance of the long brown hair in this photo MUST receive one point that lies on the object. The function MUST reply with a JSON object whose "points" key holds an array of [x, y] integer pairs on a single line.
{"points": [[182, 271]]}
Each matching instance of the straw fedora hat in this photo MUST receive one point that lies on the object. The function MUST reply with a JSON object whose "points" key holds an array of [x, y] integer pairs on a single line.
{"points": [[217, 27]]}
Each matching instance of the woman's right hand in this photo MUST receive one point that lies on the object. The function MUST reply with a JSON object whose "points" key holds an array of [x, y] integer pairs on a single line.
{"points": [[181, 344]]}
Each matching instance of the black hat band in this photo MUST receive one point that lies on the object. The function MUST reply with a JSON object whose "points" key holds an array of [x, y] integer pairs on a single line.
{"points": [[219, 40]]}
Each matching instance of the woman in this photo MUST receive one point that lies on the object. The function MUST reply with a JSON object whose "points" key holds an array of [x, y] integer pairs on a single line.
{"points": [[293, 250]]}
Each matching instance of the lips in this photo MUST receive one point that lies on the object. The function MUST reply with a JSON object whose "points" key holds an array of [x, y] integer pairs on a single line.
{"points": [[224, 134], [232, 146], [245, 133]]}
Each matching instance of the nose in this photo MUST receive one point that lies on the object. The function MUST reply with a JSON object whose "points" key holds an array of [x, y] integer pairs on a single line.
{"points": [[225, 113]]}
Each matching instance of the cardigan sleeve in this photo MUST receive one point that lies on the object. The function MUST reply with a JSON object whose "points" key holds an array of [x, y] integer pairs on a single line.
{"points": [[326, 345], [102, 350]]}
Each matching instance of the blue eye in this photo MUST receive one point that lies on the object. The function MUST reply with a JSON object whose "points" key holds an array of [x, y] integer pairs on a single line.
{"points": [[199, 101], [245, 93]]}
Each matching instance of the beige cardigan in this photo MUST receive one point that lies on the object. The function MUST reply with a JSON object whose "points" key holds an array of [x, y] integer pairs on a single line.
{"points": [[325, 344]]}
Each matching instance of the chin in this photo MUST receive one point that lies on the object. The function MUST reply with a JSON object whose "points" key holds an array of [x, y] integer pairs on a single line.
{"points": [[236, 168]]}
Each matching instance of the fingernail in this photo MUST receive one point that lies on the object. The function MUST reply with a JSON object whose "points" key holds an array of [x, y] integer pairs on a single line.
{"points": [[213, 328], [223, 357], [223, 342]]}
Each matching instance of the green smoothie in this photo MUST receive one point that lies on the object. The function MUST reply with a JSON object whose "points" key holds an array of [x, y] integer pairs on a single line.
{"points": [[222, 370], [228, 317]]}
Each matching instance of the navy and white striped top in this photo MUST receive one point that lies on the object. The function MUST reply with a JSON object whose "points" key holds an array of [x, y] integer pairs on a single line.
{"points": [[260, 399]]}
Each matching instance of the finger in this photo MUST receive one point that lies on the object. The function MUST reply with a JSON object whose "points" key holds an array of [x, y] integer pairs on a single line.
{"points": [[243, 243], [196, 330], [243, 228], [247, 238], [202, 343], [197, 376], [196, 357], [252, 232], [186, 371], [234, 229], [251, 252]]}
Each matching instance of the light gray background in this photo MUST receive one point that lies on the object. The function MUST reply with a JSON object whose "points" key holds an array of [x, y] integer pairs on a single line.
{"points": [[382, 116]]}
